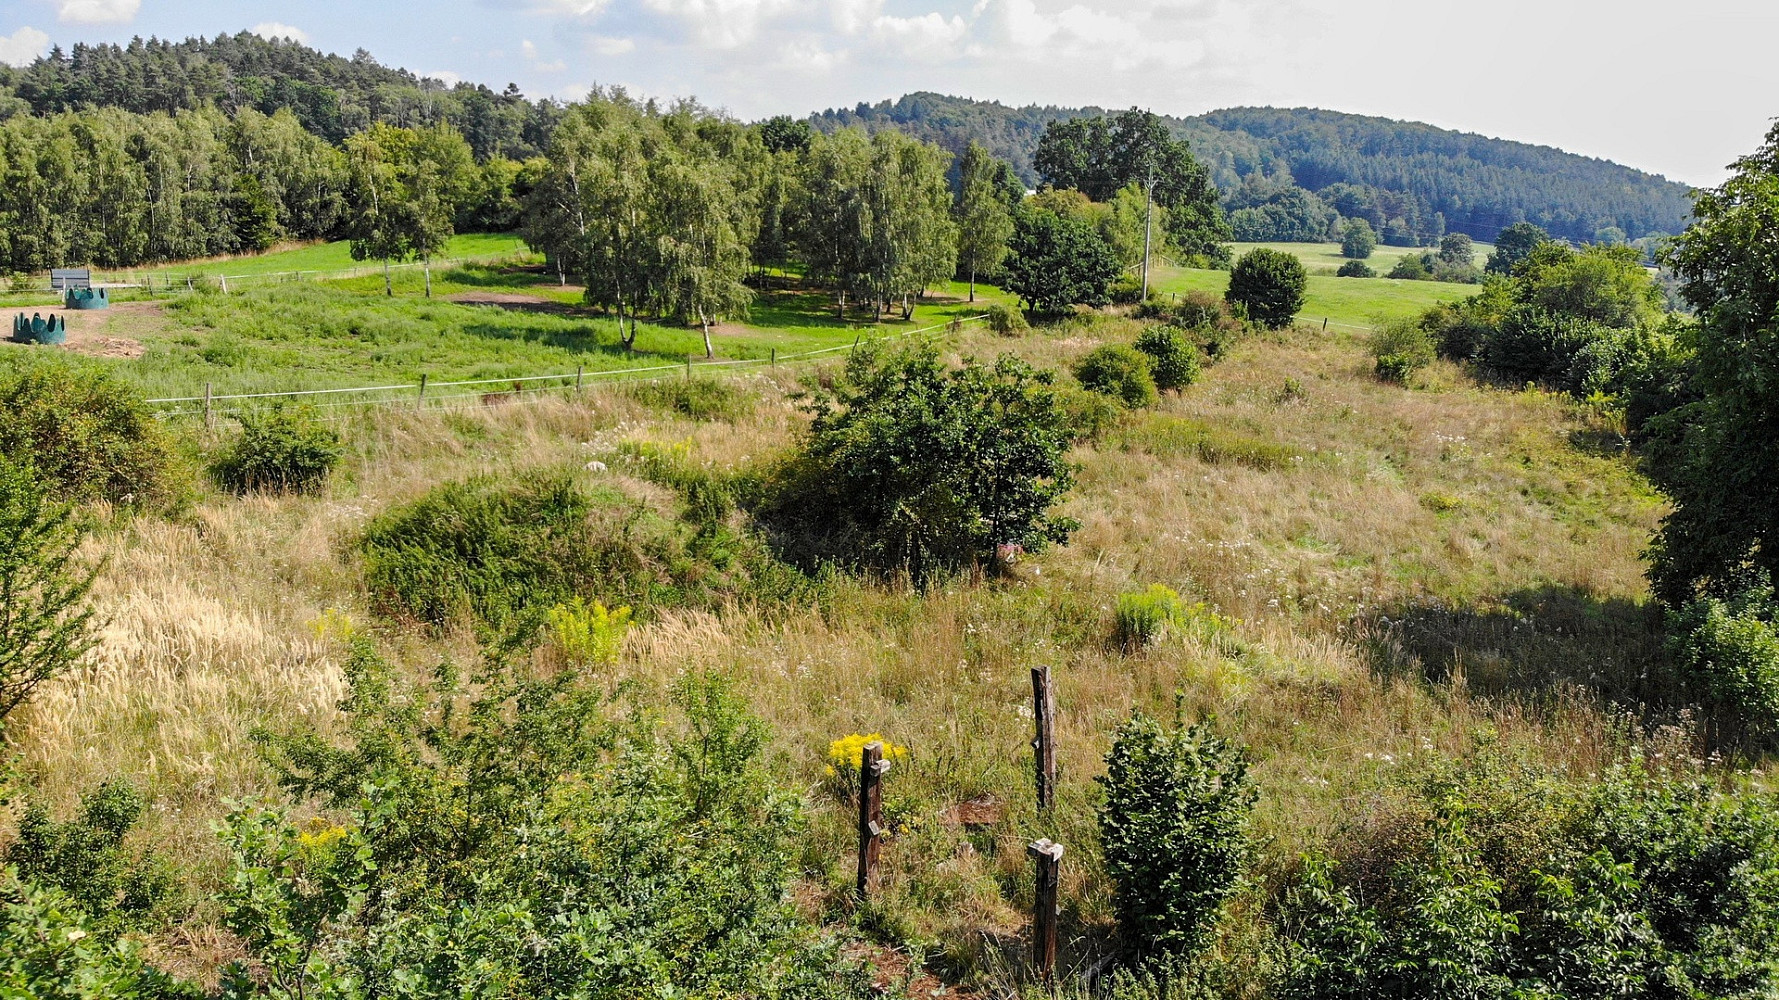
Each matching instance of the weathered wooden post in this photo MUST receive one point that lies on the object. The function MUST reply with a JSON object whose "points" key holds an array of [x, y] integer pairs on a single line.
{"points": [[579, 370], [871, 770], [774, 361], [1048, 856], [420, 401], [1044, 743], [209, 417]]}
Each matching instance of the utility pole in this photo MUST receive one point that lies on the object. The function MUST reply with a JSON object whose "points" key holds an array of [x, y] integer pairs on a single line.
{"points": [[1148, 223]]}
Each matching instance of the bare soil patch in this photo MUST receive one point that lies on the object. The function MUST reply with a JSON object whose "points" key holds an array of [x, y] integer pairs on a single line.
{"points": [[105, 333]]}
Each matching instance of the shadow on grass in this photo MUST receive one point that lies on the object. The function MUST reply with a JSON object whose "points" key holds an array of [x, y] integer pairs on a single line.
{"points": [[581, 340], [1533, 643]]}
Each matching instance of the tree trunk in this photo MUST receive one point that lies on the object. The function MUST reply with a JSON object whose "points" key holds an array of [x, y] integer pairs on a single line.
{"points": [[704, 321], [427, 269], [387, 290], [972, 281]]}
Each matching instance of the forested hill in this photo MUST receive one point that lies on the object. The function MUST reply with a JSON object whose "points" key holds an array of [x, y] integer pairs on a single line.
{"points": [[332, 96], [1421, 178]]}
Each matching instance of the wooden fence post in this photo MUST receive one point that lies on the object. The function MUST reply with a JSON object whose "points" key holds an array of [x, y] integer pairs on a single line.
{"points": [[420, 402], [871, 770], [774, 361], [578, 371], [1048, 856], [209, 418], [1044, 742]]}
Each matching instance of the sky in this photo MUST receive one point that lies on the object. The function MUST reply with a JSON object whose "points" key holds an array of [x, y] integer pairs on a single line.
{"points": [[1677, 89]]}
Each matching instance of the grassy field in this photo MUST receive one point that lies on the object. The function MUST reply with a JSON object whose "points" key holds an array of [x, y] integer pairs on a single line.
{"points": [[1326, 258], [1450, 531], [1348, 303], [335, 256]]}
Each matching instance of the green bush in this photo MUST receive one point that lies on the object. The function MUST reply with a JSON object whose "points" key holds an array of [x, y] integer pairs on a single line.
{"points": [[1054, 262], [1004, 321], [701, 398], [1401, 347], [1142, 619], [1358, 243], [492, 547], [85, 858], [46, 625], [51, 950], [1172, 358], [543, 842], [1174, 832], [1727, 653], [1356, 269], [1119, 372], [911, 467], [1411, 268], [87, 434], [279, 450], [1269, 284]]}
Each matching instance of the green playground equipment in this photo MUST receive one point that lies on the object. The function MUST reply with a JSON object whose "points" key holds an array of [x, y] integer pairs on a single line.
{"points": [[86, 298], [37, 330]]}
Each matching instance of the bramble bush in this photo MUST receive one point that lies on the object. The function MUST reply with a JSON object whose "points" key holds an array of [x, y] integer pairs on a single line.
{"points": [[279, 450], [1173, 360], [1119, 372], [87, 434], [1174, 832], [909, 466], [1401, 347]]}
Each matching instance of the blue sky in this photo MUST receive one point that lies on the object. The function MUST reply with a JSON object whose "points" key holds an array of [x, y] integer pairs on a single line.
{"points": [[1680, 89]]}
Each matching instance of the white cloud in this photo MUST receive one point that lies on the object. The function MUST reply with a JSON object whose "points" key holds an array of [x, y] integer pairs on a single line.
{"points": [[724, 24], [930, 36], [604, 46], [98, 11], [22, 46], [574, 8], [273, 30], [529, 50], [445, 76]]}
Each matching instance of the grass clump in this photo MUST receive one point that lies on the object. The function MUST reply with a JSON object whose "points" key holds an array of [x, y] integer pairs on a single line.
{"points": [[278, 451], [702, 398], [87, 434], [1120, 372], [588, 635], [1167, 436], [1142, 619]]}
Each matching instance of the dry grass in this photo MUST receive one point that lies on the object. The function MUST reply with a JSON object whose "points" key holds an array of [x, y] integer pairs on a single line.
{"points": [[1450, 493]]}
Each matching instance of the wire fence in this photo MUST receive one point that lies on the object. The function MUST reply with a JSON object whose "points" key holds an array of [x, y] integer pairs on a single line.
{"points": [[170, 282], [484, 392]]}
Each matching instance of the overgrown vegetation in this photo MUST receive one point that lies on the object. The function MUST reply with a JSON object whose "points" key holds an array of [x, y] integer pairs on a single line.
{"points": [[280, 451], [46, 624], [86, 434]]}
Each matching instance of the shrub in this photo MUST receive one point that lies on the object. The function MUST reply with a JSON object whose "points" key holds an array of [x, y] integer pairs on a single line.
{"points": [[278, 451], [88, 435], [50, 950], [492, 547], [1004, 321], [542, 842], [1174, 832], [1727, 653], [912, 467], [46, 625], [1172, 358], [702, 398], [1356, 269], [1119, 372], [1142, 619], [588, 635], [1269, 284], [1401, 348], [1411, 268], [85, 858]]}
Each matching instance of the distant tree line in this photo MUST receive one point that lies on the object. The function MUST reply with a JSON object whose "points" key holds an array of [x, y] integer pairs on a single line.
{"points": [[1412, 183]]}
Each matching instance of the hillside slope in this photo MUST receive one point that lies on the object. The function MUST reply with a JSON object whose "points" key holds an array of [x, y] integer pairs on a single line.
{"points": [[1478, 184]]}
